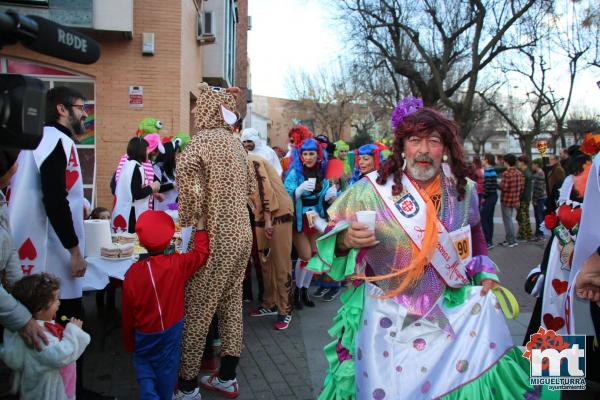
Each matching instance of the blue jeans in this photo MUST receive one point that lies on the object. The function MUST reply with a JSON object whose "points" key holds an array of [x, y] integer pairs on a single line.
{"points": [[539, 209], [487, 217]]}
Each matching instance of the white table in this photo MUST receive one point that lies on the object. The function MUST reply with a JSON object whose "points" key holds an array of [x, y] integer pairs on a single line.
{"points": [[100, 269]]}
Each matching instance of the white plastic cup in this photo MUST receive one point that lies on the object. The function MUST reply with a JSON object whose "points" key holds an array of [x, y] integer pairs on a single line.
{"points": [[313, 180], [367, 217]]}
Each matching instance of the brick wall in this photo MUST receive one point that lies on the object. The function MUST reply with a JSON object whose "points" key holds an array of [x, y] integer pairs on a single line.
{"points": [[241, 61], [168, 78]]}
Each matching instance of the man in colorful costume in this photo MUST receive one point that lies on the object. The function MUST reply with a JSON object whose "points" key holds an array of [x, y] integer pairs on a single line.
{"points": [[416, 324], [214, 181]]}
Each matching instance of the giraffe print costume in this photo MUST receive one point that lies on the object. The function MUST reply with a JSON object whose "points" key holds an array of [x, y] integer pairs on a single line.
{"points": [[214, 180]]}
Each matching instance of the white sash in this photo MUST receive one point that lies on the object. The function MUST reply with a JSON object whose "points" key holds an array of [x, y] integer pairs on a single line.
{"points": [[453, 250], [39, 248], [124, 198]]}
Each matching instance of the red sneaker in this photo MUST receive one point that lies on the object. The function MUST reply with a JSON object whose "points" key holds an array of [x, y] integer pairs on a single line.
{"points": [[283, 321], [228, 389]]}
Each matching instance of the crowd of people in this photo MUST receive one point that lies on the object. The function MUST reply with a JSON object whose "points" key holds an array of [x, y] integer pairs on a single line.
{"points": [[420, 291]]}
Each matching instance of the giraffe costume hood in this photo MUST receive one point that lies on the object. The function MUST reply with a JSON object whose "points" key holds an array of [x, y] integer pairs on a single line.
{"points": [[214, 182]]}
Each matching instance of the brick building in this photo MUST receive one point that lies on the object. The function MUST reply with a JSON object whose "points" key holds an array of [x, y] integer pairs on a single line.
{"points": [[171, 30], [273, 117]]}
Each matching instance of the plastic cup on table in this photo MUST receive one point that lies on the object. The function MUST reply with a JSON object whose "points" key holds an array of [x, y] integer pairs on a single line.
{"points": [[367, 217]]}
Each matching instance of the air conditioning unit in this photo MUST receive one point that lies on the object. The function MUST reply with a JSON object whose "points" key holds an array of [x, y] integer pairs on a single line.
{"points": [[205, 32], [249, 22]]}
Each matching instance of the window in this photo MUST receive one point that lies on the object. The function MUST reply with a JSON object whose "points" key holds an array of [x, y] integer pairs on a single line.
{"points": [[52, 77], [495, 146]]}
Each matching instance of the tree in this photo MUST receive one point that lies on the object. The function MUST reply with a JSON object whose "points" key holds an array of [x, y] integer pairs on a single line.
{"points": [[570, 43], [328, 96], [439, 46], [579, 124], [361, 139]]}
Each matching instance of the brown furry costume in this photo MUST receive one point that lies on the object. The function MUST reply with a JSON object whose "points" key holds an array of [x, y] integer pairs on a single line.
{"points": [[214, 180]]}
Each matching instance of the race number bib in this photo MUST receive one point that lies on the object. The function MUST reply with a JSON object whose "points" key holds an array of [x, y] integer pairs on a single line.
{"points": [[461, 239]]}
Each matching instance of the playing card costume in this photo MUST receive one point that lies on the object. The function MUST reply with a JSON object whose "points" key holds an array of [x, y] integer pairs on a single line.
{"points": [[39, 246], [214, 182], [413, 325]]}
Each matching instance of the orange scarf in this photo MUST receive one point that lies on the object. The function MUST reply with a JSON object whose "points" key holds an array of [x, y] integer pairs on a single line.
{"points": [[411, 274]]}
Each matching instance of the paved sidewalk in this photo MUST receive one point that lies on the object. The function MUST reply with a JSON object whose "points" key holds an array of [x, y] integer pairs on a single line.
{"points": [[281, 365]]}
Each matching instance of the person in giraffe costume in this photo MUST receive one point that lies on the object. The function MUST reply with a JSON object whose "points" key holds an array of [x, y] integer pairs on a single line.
{"points": [[214, 183]]}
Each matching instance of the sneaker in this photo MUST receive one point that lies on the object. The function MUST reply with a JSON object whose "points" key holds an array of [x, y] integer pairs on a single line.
{"points": [[490, 246], [320, 292], [180, 395], [283, 321], [505, 243], [262, 311], [515, 244], [331, 294], [228, 389]]}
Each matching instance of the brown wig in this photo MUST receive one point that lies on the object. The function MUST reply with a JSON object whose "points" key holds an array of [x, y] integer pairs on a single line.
{"points": [[422, 123], [36, 292]]}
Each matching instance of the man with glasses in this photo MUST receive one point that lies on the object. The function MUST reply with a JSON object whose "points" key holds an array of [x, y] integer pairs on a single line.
{"points": [[46, 206]]}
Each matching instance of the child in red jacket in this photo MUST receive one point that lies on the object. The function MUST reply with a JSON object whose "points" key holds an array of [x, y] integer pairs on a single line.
{"points": [[153, 299]]}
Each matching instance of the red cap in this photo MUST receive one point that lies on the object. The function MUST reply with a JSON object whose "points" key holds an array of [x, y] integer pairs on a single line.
{"points": [[155, 229]]}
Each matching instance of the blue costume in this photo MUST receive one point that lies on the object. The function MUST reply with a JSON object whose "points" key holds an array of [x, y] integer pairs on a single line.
{"points": [[314, 200]]}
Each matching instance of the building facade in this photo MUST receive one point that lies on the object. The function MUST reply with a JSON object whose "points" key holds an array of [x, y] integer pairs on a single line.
{"points": [[151, 62], [273, 117]]}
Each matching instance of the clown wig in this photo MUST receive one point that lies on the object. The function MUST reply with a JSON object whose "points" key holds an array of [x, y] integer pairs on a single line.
{"points": [[297, 163], [422, 123], [299, 133], [366, 150]]}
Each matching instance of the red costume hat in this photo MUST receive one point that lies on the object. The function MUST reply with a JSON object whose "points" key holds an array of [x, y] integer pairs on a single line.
{"points": [[155, 229]]}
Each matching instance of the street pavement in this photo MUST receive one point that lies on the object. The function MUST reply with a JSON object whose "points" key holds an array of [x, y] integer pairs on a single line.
{"points": [[281, 365]]}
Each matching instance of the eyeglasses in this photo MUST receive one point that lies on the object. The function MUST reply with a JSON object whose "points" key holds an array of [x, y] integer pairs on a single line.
{"points": [[82, 107], [217, 89]]}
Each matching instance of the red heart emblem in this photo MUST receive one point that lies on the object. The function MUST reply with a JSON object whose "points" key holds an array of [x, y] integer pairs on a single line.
{"points": [[71, 179], [119, 224], [560, 286], [27, 251], [552, 322], [568, 216]]}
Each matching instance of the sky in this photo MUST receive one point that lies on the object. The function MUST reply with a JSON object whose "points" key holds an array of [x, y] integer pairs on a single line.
{"points": [[289, 35]]}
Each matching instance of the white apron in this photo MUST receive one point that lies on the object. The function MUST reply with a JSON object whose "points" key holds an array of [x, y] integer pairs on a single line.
{"points": [[170, 201], [422, 361], [39, 248], [124, 198], [557, 274], [578, 319]]}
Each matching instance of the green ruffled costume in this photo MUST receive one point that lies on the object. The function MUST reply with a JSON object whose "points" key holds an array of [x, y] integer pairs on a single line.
{"points": [[507, 379]]}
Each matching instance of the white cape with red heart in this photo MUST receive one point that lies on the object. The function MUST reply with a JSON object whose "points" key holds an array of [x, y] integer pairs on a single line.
{"points": [[124, 198], [39, 248]]}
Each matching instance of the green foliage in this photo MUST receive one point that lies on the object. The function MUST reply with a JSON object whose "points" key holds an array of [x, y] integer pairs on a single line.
{"points": [[361, 139]]}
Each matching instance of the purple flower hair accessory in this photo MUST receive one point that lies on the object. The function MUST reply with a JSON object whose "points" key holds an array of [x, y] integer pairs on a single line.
{"points": [[406, 106]]}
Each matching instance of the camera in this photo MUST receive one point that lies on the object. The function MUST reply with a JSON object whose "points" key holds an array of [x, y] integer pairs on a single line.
{"points": [[23, 98]]}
